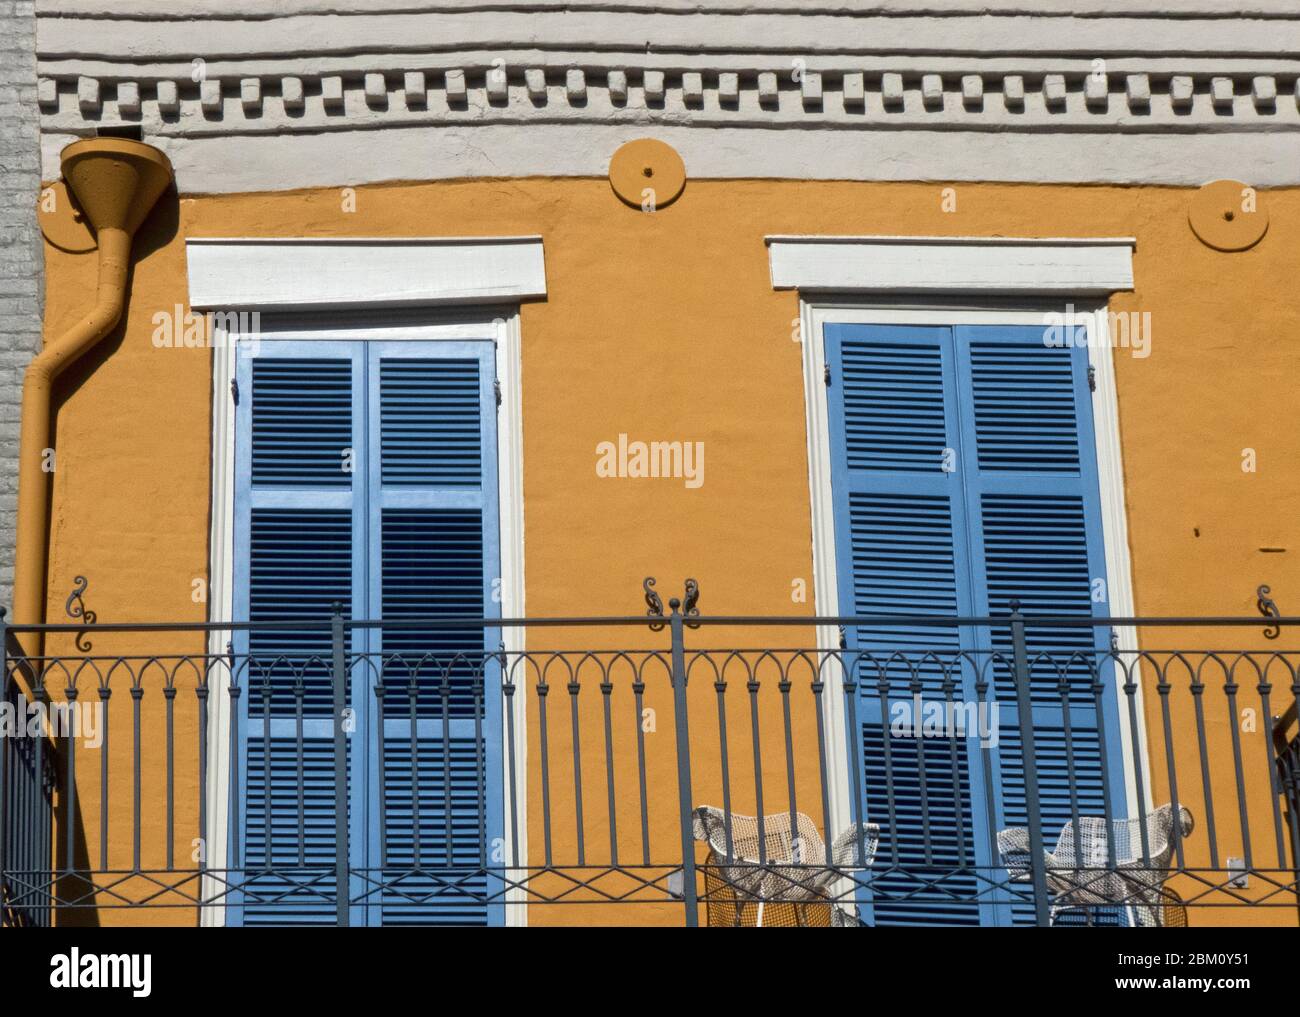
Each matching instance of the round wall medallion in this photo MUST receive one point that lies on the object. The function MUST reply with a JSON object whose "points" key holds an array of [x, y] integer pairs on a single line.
{"points": [[647, 174], [61, 220], [1228, 215]]}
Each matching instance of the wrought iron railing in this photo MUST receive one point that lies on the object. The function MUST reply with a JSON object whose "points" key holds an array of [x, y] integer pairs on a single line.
{"points": [[27, 781], [219, 777], [1286, 747]]}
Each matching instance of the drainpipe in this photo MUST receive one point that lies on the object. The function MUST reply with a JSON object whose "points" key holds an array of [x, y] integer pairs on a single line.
{"points": [[116, 181]]}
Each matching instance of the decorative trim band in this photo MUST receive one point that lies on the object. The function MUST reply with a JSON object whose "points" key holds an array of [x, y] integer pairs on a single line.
{"points": [[1033, 100]]}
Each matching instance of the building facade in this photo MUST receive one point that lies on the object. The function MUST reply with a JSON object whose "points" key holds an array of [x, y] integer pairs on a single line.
{"points": [[939, 315]]}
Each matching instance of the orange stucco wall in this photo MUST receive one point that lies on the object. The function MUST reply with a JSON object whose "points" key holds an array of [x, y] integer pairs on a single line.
{"points": [[665, 326]]}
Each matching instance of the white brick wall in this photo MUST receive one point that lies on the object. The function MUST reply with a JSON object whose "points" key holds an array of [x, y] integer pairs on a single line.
{"points": [[21, 275]]}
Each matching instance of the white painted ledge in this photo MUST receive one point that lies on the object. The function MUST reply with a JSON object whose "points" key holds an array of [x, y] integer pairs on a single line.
{"points": [[1079, 266], [282, 274]]}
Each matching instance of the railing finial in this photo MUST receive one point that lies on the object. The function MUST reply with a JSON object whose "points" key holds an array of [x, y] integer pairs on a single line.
{"points": [[692, 598], [653, 600], [75, 607], [1269, 610], [675, 604]]}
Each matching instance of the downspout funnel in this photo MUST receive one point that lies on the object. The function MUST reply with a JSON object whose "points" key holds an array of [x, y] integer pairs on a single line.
{"points": [[116, 181]]}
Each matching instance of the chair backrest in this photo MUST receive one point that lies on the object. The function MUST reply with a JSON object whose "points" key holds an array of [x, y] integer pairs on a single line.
{"points": [[855, 846], [1090, 849], [805, 847]]}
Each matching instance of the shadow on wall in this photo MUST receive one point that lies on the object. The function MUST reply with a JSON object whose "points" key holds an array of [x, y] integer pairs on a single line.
{"points": [[70, 888], [155, 233]]}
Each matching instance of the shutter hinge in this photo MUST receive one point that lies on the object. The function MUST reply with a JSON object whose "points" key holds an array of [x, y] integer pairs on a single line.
{"points": [[496, 387], [1092, 378], [826, 375], [234, 390]]}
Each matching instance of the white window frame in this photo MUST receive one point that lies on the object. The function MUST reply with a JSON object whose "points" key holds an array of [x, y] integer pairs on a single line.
{"points": [[819, 311], [300, 310]]}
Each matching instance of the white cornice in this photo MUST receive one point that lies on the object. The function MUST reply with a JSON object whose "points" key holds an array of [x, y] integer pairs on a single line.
{"points": [[327, 92], [313, 64]]}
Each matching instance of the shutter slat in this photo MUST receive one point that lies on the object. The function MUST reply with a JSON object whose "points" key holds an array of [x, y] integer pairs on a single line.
{"points": [[902, 896], [432, 565], [302, 422], [1025, 416], [295, 892], [893, 412], [445, 890], [300, 566], [430, 427]]}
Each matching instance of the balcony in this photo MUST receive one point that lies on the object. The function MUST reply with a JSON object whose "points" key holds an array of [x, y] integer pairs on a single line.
{"points": [[666, 769]]}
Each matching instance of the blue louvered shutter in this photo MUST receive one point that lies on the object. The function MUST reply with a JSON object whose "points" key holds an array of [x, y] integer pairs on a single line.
{"points": [[1017, 518], [367, 476], [1035, 533], [434, 550], [901, 551], [299, 519]]}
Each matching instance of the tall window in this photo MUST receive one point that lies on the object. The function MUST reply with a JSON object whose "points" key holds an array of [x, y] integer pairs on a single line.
{"points": [[964, 476], [367, 477]]}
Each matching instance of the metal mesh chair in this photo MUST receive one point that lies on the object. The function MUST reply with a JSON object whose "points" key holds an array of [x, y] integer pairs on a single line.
{"points": [[786, 886], [1079, 870], [1171, 913]]}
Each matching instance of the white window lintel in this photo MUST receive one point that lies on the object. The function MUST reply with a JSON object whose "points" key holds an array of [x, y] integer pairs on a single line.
{"points": [[1076, 266], [230, 273]]}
